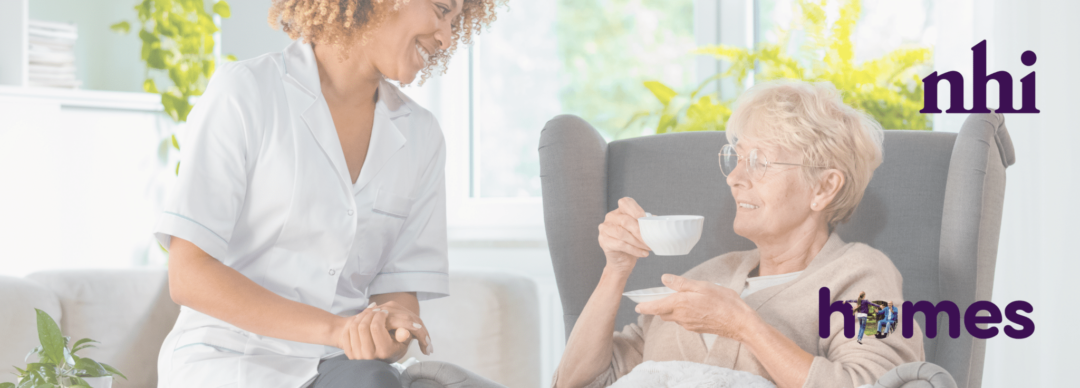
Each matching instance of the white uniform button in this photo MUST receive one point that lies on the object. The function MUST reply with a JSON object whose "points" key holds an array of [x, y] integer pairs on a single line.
{"points": [[332, 272], [350, 212]]}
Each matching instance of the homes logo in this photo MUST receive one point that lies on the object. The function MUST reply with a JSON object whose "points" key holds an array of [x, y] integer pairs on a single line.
{"points": [[1003, 78], [1026, 327]]}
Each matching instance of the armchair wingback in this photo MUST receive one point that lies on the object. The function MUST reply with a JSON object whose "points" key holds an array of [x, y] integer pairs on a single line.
{"points": [[934, 207]]}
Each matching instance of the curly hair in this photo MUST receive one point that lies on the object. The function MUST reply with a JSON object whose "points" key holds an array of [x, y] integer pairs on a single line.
{"points": [[344, 22]]}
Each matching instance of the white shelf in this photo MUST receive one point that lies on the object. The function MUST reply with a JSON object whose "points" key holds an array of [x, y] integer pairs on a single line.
{"points": [[79, 98]]}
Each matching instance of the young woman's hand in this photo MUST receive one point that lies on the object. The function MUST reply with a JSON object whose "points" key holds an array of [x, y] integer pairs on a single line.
{"points": [[620, 237], [370, 334]]}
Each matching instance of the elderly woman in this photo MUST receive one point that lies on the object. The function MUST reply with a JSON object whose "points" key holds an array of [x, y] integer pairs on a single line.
{"points": [[798, 162]]}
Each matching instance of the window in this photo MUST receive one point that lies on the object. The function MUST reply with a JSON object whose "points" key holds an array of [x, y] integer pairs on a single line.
{"points": [[590, 58], [538, 60]]}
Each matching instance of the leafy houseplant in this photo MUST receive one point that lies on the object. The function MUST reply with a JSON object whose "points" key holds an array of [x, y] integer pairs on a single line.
{"points": [[887, 88], [58, 366], [178, 41]]}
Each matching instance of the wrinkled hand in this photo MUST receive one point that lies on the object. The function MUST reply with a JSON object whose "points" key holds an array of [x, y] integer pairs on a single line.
{"points": [[703, 307], [620, 237], [367, 336]]}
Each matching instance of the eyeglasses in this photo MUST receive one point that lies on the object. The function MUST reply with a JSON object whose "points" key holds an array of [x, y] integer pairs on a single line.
{"points": [[756, 162]]}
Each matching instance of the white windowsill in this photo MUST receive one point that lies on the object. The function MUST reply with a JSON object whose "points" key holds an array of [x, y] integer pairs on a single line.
{"points": [[81, 98]]}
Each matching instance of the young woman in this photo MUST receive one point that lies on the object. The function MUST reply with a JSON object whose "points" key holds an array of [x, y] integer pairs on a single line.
{"points": [[862, 309], [308, 219]]}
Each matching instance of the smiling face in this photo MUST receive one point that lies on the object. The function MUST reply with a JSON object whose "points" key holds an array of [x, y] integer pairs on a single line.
{"points": [[412, 38], [773, 206]]}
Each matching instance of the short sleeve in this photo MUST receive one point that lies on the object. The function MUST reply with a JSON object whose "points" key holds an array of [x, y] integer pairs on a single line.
{"points": [[209, 191], [418, 260]]}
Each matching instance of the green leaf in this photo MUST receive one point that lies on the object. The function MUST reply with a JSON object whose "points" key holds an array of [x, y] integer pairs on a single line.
{"points": [[149, 86], [87, 346], [121, 27], [110, 367], [661, 91], [174, 143], [41, 372], [156, 59], [167, 101], [230, 57], [83, 341], [222, 8], [177, 168], [145, 9], [148, 37], [91, 368], [52, 341], [7, 385]]}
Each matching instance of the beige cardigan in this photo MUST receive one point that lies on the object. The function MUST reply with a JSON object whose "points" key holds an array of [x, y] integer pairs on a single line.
{"points": [[792, 308]]}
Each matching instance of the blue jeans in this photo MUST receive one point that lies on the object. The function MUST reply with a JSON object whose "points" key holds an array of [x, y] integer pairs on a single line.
{"points": [[862, 327], [887, 323]]}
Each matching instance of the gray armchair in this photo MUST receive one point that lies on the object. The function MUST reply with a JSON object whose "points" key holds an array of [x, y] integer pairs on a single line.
{"points": [[934, 207]]}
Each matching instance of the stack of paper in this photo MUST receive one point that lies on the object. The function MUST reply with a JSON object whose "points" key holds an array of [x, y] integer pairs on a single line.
{"points": [[52, 54]]}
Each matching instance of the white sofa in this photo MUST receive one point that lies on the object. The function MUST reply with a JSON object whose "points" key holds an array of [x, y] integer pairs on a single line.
{"points": [[489, 325]]}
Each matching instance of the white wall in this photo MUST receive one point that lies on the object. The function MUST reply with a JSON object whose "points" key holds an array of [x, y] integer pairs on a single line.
{"points": [[81, 187], [1037, 258], [247, 34], [1037, 255]]}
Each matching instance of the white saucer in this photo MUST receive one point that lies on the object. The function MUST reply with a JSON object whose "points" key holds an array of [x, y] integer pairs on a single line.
{"points": [[648, 294]]}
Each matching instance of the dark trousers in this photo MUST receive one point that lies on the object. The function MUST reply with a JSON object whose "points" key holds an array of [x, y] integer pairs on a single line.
{"points": [[341, 372]]}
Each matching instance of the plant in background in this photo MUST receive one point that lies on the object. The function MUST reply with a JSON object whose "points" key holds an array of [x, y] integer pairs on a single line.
{"points": [[177, 41], [888, 88], [58, 365]]}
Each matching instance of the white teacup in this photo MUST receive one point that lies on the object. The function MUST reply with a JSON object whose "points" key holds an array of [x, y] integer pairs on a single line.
{"points": [[671, 235]]}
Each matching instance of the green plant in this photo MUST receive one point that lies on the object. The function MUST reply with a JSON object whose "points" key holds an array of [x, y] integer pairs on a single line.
{"points": [[888, 88], [58, 365], [178, 42]]}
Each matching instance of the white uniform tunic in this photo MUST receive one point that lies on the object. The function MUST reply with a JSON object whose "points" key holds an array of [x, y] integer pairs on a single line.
{"points": [[264, 188]]}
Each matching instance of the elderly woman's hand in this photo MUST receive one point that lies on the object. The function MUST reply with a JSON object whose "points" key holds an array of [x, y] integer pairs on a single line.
{"points": [[620, 237], [703, 307]]}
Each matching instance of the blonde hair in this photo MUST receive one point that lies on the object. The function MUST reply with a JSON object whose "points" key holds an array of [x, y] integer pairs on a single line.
{"points": [[811, 119], [344, 22]]}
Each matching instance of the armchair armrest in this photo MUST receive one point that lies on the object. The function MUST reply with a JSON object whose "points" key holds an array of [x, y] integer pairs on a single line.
{"points": [[438, 374], [916, 375]]}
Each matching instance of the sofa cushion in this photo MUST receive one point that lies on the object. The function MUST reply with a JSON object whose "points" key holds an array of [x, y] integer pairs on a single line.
{"points": [[18, 321], [128, 311], [489, 325]]}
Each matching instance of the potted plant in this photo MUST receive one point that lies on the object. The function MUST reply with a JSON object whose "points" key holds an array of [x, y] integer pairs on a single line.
{"points": [[58, 366]]}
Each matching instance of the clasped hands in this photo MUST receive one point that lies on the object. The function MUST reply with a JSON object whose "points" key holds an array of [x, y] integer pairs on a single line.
{"points": [[382, 332], [697, 306]]}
